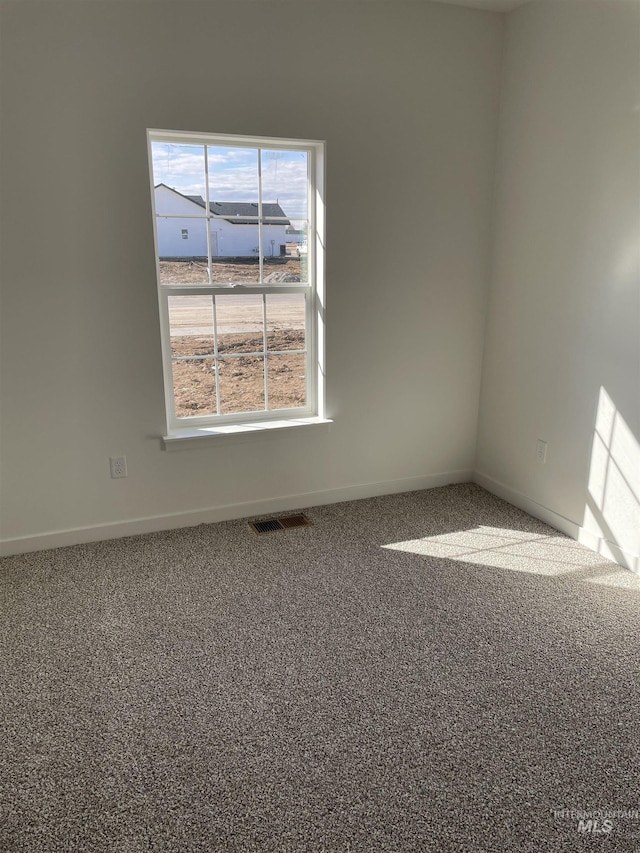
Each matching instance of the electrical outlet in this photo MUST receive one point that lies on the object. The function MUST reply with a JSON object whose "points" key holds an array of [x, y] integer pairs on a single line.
{"points": [[118, 466], [541, 452]]}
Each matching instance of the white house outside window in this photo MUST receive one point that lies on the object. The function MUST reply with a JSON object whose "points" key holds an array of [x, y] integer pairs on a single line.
{"points": [[238, 225]]}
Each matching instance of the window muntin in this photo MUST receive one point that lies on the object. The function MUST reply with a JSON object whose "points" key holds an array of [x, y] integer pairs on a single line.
{"points": [[238, 298]]}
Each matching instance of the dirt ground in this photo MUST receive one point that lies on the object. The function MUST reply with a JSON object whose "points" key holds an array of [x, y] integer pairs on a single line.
{"points": [[239, 272], [241, 378]]}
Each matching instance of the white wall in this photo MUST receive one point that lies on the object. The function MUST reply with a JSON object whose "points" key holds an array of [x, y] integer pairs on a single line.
{"points": [[172, 244], [242, 240], [406, 96], [169, 231], [562, 355]]}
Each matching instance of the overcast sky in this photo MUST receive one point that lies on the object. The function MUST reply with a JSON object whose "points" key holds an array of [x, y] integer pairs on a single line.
{"points": [[233, 174]]}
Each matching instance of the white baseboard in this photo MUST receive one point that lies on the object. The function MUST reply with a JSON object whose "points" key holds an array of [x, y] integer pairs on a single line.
{"points": [[284, 503], [571, 528]]}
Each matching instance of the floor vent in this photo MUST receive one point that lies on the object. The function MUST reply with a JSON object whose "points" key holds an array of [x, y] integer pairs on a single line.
{"points": [[285, 522]]}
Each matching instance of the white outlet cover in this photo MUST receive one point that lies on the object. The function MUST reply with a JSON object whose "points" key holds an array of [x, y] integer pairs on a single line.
{"points": [[118, 466]]}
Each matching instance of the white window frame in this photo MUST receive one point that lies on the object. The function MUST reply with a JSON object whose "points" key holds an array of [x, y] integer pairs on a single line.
{"points": [[314, 291]]}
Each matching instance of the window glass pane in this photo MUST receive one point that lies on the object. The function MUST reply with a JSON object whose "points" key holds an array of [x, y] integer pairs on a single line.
{"points": [[241, 384], [291, 265], [296, 234], [284, 183], [284, 204], [283, 270], [285, 321], [194, 387], [182, 250], [233, 180], [240, 323], [183, 272], [287, 383], [193, 368], [237, 259], [191, 325], [233, 198], [178, 178], [274, 242]]}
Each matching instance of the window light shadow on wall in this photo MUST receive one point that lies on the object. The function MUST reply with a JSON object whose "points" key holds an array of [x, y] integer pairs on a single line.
{"points": [[612, 512], [520, 551]]}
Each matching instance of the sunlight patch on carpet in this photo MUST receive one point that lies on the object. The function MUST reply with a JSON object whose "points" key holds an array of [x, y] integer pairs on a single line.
{"points": [[514, 550]]}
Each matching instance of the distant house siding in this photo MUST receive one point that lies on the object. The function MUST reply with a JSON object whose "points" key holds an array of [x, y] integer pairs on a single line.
{"points": [[183, 237], [277, 233], [242, 240]]}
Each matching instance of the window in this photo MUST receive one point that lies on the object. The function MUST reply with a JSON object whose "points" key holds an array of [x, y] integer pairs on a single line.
{"points": [[241, 317]]}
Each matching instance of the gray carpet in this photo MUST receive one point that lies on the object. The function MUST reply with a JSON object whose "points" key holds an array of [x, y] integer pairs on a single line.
{"points": [[434, 671]]}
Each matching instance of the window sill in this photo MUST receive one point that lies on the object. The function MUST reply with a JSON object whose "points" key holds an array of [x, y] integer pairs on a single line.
{"points": [[215, 436]]}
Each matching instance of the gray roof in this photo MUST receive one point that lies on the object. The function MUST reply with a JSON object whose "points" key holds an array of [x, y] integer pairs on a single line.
{"points": [[234, 211], [238, 212]]}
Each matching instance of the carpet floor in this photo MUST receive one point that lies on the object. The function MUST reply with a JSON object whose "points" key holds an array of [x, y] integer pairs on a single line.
{"points": [[433, 671]]}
